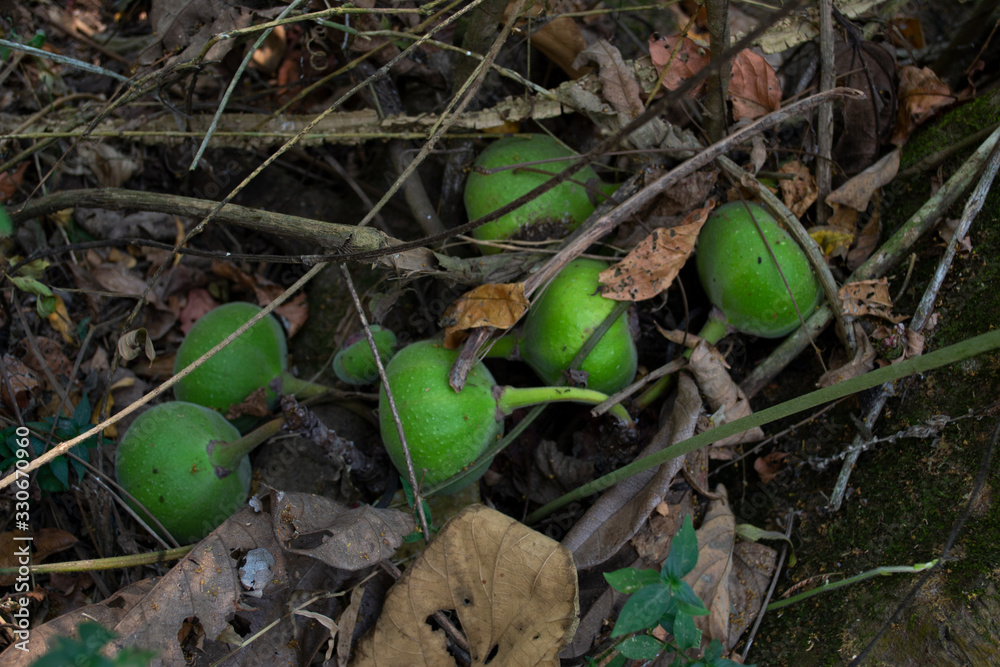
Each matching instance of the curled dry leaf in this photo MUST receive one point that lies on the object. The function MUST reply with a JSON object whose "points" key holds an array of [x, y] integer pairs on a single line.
{"points": [[866, 243], [800, 192], [513, 590], [652, 265], [868, 297], [136, 341], [346, 538], [753, 87], [618, 83], [863, 361], [921, 94], [723, 396], [767, 467], [492, 305], [677, 59], [858, 191]]}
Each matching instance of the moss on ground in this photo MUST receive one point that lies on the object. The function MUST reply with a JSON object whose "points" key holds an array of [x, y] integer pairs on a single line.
{"points": [[908, 494]]}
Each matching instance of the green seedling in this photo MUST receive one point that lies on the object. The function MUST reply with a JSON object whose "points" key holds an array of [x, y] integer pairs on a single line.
{"points": [[550, 215], [561, 321], [447, 431], [355, 363]]}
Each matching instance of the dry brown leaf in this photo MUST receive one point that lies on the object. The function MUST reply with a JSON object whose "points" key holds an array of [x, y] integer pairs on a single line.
{"points": [[10, 181], [681, 57], [347, 538], [22, 381], [724, 398], [863, 361], [749, 578], [132, 343], [868, 297], [800, 192], [710, 577], [199, 302], [858, 191], [767, 466], [753, 87], [59, 320], [652, 265], [513, 590], [498, 305], [866, 242], [946, 230], [618, 84], [921, 94], [562, 41], [110, 167]]}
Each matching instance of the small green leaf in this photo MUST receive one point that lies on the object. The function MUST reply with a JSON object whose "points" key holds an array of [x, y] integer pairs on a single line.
{"points": [[45, 306], [640, 647], [630, 580], [685, 633], [683, 552], [713, 651], [30, 285], [751, 533], [642, 610], [6, 224], [688, 601]]}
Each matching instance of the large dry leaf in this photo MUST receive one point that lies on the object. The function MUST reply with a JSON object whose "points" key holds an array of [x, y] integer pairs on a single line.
{"points": [[710, 577], [677, 59], [183, 28], [753, 87], [652, 265], [618, 83], [870, 68], [858, 191], [615, 517], [921, 94], [346, 538], [724, 398], [513, 590], [491, 305]]}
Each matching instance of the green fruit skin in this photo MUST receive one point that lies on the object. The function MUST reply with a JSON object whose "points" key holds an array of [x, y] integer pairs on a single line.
{"points": [[560, 322], [740, 278], [445, 431], [355, 364], [567, 205], [162, 461], [248, 363]]}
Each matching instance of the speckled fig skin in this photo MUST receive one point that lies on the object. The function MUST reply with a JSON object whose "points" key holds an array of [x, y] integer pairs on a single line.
{"points": [[162, 460], [562, 320], [446, 431], [552, 215], [740, 277], [355, 363], [248, 363]]}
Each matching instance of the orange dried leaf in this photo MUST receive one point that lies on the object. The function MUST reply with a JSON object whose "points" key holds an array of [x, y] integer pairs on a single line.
{"points": [[677, 59], [654, 263], [498, 305], [868, 297], [754, 87], [800, 192], [768, 466], [921, 93]]}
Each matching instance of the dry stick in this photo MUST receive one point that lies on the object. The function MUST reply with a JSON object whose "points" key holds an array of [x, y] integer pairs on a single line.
{"points": [[877, 265], [824, 126], [717, 84], [64, 447], [801, 236], [112, 563], [417, 500], [454, 109], [862, 440]]}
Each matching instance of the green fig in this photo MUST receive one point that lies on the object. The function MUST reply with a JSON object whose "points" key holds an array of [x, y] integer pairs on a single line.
{"points": [[562, 320], [355, 363], [163, 461], [741, 279], [447, 431], [550, 215]]}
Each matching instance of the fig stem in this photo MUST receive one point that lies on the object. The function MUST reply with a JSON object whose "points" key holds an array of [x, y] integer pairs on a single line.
{"points": [[512, 398], [226, 457], [301, 388]]}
